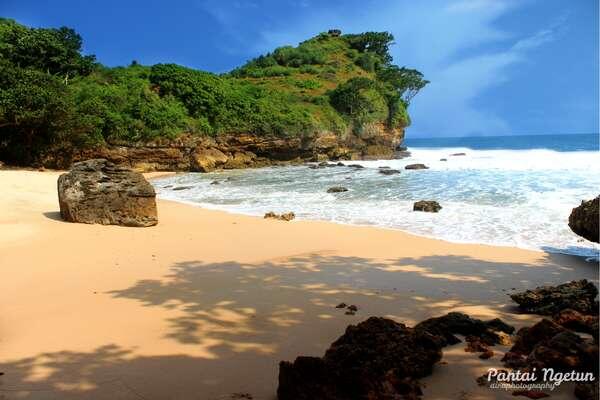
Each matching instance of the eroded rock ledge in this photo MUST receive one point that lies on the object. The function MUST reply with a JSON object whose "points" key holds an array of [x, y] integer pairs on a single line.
{"points": [[205, 154]]}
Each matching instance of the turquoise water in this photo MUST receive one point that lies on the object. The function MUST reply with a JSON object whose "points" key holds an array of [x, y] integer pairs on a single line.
{"points": [[498, 193]]}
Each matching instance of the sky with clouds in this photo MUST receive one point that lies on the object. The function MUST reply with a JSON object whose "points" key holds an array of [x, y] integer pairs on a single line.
{"points": [[497, 67]]}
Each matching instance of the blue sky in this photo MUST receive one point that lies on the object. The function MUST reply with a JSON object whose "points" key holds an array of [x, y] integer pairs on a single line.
{"points": [[496, 67]]}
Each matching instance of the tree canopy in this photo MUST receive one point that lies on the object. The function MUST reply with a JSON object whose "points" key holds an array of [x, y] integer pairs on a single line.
{"points": [[54, 98]]}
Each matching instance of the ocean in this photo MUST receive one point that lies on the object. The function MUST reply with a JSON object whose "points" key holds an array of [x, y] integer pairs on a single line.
{"points": [[509, 191]]}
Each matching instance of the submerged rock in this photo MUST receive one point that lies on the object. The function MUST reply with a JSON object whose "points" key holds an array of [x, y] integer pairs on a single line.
{"points": [[177, 188], [388, 171], [547, 300], [458, 154], [427, 206], [376, 359], [416, 166], [356, 166], [337, 189], [282, 217], [584, 219], [100, 192]]}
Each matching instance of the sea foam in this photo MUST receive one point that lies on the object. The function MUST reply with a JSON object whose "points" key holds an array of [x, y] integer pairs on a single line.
{"points": [[516, 198]]}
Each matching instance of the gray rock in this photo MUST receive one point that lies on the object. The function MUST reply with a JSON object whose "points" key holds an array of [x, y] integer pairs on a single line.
{"points": [[100, 192], [389, 171], [416, 166]]}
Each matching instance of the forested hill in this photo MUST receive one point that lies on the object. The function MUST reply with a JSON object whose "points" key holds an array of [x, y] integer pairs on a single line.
{"points": [[55, 99]]}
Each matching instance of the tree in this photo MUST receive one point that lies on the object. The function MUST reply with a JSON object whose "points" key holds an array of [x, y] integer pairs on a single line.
{"points": [[404, 82], [34, 110], [54, 51], [360, 99], [374, 42]]}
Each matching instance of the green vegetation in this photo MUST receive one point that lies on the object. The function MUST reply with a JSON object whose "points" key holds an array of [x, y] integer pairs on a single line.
{"points": [[54, 99]]}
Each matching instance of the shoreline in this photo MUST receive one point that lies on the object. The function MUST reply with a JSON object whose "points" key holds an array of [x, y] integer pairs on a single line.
{"points": [[207, 302], [296, 220]]}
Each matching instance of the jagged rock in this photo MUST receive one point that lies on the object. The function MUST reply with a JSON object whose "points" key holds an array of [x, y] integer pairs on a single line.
{"points": [[376, 359], [427, 206], [584, 219], [576, 321], [587, 391], [283, 217], [455, 323], [528, 337], [416, 166], [99, 192], [549, 345], [566, 351], [388, 171], [547, 300], [337, 189]]}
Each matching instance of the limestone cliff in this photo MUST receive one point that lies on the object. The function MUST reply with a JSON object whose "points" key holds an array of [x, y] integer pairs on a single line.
{"points": [[205, 154]]}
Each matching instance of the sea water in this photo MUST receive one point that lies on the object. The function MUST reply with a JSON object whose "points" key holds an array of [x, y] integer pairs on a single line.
{"points": [[510, 190]]}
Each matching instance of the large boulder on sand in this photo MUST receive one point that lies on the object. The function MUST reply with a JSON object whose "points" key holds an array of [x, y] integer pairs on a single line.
{"points": [[100, 192], [584, 219]]}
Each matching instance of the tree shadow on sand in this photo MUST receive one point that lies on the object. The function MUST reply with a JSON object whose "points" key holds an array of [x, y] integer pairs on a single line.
{"points": [[241, 319]]}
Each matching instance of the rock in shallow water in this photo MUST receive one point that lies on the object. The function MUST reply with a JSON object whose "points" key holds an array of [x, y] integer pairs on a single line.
{"points": [[386, 171], [337, 189], [584, 219], [100, 192], [427, 206], [416, 166], [282, 217]]}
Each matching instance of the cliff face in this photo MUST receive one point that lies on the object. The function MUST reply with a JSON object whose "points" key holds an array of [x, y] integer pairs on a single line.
{"points": [[205, 154]]}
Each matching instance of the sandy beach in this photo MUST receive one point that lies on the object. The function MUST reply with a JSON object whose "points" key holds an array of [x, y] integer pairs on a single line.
{"points": [[205, 304]]}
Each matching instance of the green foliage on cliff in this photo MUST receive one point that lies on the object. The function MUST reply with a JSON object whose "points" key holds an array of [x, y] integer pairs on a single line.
{"points": [[54, 98]]}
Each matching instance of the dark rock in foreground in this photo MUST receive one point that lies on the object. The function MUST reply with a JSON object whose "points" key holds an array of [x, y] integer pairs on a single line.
{"points": [[376, 359], [99, 192], [282, 217], [455, 323], [427, 206], [547, 300], [337, 189], [584, 219], [416, 166], [388, 171], [549, 345], [578, 322], [587, 391]]}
